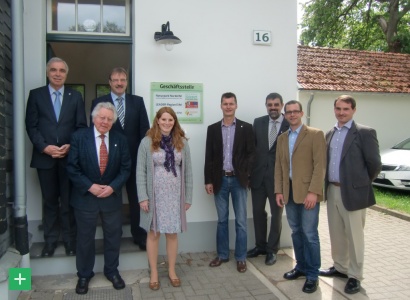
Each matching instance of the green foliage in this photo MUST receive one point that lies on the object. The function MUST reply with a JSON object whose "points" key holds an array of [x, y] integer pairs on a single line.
{"points": [[393, 199], [356, 24]]}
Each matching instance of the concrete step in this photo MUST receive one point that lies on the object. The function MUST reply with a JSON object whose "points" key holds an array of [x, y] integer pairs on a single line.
{"points": [[131, 258]]}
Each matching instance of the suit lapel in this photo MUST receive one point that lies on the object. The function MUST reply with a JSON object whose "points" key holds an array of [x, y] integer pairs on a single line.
{"points": [[301, 136], [265, 133], [112, 152], [49, 103], [92, 148], [66, 103], [351, 135]]}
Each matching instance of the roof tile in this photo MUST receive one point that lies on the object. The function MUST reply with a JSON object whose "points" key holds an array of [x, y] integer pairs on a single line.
{"points": [[332, 69]]}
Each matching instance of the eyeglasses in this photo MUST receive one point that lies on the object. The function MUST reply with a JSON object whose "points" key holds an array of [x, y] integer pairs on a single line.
{"points": [[118, 80], [292, 112], [105, 119]]}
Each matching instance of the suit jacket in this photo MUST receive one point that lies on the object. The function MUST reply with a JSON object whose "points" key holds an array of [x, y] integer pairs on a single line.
{"points": [[43, 128], [264, 164], [242, 154], [359, 166], [136, 122], [308, 164], [83, 170]]}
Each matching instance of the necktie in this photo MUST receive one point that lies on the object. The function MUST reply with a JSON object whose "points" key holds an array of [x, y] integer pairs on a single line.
{"points": [[272, 134], [103, 155], [57, 104], [121, 112]]}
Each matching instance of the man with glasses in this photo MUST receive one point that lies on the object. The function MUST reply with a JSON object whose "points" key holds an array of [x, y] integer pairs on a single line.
{"points": [[299, 174], [98, 165], [133, 123]]}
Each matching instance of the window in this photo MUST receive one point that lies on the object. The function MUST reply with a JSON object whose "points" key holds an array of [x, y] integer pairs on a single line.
{"points": [[95, 17]]}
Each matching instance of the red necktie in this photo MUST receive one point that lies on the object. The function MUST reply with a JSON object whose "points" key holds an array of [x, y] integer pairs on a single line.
{"points": [[103, 155]]}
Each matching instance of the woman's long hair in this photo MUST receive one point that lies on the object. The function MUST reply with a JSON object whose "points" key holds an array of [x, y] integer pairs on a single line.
{"points": [[177, 133]]}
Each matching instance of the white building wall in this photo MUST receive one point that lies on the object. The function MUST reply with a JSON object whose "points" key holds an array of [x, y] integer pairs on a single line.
{"points": [[216, 50], [386, 113]]}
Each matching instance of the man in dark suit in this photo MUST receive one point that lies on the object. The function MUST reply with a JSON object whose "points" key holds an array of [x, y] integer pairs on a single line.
{"points": [[228, 162], [53, 113], [266, 130], [353, 163], [99, 164], [133, 123]]}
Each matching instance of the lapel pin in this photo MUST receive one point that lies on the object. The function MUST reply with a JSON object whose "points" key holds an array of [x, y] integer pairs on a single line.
{"points": [[115, 145]]}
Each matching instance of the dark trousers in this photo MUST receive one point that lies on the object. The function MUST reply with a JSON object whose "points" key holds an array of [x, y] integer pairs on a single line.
{"points": [[57, 212], [112, 229], [260, 217], [137, 232]]}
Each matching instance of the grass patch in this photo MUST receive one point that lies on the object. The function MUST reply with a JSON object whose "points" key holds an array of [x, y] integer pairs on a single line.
{"points": [[393, 199]]}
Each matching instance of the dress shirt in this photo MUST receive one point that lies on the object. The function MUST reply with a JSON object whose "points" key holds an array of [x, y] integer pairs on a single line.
{"points": [[228, 135], [335, 150], [115, 101], [98, 142], [293, 135], [53, 96]]}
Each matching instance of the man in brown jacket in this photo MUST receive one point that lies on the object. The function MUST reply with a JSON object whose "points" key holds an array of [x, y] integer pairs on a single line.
{"points": [[299, 174]]}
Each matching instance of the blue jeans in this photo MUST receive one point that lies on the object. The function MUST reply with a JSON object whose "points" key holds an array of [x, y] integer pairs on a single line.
{"points": [[305, 237], [239, 198]]}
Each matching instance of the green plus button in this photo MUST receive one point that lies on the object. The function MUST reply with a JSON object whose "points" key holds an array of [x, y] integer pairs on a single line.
{"points": [[20, 279]]}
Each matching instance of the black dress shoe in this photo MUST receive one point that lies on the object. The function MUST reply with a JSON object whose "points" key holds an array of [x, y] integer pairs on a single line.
{"points": [[255, 252], [270, 259], [70, 248], [82, 286], [352, 286], [331, 272], [310, 286], [142, 244], [48, 249], [117, 282], [293, 274]]}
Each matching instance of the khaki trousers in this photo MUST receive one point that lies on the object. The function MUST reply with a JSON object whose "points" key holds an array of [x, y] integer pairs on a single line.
{"points": [[346, 229]]}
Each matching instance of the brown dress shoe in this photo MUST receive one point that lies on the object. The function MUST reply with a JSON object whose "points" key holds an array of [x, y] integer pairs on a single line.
{"points": [[175, 282], [216, 262], [154, 285], [241, 266]]}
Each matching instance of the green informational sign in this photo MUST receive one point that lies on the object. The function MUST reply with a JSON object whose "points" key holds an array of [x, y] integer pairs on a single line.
{"points": [[184, 98], [19, 279]]}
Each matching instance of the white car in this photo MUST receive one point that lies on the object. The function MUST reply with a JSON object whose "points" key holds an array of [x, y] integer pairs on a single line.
{"points": [[395, 173]]}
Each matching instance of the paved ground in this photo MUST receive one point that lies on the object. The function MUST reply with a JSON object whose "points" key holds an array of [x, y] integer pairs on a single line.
{"points": [[387, 273]]}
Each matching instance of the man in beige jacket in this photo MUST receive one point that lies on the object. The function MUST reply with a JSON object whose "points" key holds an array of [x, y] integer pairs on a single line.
{"points": [[299, 175]]}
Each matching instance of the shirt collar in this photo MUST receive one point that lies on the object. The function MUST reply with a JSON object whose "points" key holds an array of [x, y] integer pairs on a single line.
{"points": [[297, 129], [233, 123], [278, 120], [97, 133], [348, 125], [52, 90], [114, 96]]}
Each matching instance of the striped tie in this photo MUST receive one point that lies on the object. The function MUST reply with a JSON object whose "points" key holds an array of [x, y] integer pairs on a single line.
{"points": [[103, 155], [57, 104], [121, 112]]}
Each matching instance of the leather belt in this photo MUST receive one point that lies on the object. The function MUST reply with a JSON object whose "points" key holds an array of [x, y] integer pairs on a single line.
{"points": [[228, 173], [335, 183]]}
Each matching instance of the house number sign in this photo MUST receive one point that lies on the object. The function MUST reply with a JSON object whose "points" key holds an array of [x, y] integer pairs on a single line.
{"points": [[262, 37]]}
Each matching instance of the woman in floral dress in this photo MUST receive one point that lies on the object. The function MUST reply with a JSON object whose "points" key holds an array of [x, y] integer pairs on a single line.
{"points": [[164, 184]]}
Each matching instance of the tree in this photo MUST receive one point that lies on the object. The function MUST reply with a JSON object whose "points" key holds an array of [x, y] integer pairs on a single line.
{"points": [[381, 25]]}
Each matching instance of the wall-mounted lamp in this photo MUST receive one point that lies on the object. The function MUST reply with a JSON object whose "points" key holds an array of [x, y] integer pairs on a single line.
{"points": [[166, 37]]}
